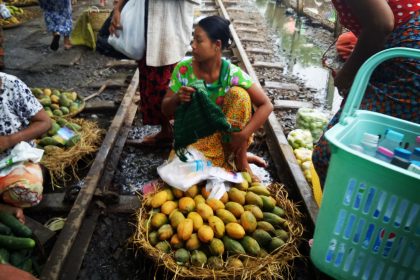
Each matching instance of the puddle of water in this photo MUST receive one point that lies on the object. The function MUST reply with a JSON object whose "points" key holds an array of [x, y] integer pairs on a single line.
{"points": [[302, 57]]}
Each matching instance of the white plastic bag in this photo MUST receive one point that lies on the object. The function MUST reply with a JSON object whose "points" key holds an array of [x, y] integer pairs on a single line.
{"points": [[21, 153], [182, 175], [130, 39]]}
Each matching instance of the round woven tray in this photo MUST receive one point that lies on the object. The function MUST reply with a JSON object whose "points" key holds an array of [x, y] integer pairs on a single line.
{"points": [[79, 100], [277, 265], [97, 17]]}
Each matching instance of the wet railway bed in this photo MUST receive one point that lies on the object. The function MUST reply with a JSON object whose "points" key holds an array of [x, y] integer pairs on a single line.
{"points": [[109, 254]]}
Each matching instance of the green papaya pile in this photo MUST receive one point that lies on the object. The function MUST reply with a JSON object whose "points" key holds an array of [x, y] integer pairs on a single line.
{"points": [[56, 103], [207, 232], [52, 139]]}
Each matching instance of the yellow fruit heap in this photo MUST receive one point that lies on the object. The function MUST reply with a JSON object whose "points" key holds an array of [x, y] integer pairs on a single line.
{"points": [[57, 103], [204, 231], [51, 140]]}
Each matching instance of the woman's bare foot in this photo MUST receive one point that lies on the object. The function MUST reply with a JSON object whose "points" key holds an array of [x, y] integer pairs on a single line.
{"points": [[67, 43], [258, 161]]}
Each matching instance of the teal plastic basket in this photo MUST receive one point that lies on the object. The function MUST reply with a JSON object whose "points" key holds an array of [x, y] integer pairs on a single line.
{"points": [[368, 225]]}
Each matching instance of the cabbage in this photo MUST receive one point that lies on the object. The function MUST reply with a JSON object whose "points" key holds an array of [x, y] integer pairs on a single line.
{"points": [[300, 138], [312, 120]]}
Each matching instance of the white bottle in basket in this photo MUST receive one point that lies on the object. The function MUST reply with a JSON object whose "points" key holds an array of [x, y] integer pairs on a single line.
{"points": [[370, 143]]}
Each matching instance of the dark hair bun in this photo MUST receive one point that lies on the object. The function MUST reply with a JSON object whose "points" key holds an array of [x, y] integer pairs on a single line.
{"points": [[217, 28]]}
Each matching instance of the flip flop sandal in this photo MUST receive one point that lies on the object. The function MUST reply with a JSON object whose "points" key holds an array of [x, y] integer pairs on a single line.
{"points": [[55, 42]]}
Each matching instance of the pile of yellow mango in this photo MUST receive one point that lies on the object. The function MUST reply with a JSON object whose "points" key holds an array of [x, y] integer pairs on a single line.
{"points": [[57, 103], [203, 231]]}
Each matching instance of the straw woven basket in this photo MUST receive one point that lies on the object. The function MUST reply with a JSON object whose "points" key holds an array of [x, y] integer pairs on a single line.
{"points": [[97, 17]]}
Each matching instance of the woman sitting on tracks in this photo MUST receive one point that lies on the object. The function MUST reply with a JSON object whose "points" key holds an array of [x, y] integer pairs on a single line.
{"points": [[394, 86], [228, 87], [22, 118]]}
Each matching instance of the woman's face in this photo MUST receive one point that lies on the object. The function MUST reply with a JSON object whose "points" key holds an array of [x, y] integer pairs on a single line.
{"points": [[202, 47]]}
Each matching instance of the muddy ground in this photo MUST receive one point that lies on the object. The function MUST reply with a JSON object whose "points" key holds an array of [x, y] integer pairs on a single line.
{"points": [[28, 57]]}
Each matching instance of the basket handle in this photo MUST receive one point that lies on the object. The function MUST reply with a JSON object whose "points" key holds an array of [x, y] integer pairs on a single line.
{"points": [[94, 9], [360, 83]]}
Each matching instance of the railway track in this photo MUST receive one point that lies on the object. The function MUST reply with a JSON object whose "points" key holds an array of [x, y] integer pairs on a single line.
{"points": [[66, 256]]}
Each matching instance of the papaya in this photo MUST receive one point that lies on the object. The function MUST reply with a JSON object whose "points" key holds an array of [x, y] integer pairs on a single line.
{"points": [[54, 106], [168, 207], [64, 101], [234, 263], [37, 92], [62, 122], [236, 195], [177, 193], [47, 92], [225, 198], [48, 141], [153, 238], [197, 220], [282, 234], [254, 199], [49, 113], [73, 141], [266, 226], [217, 226], [248, 222], [235, 230], [268, 203], [250, 245], [56, 92], [275, 243], [159, 199], [175, 242], [193, 243], [185, 229], [259, 189], [165, 232], [55, 99], [65, 110], [199, 199], [214, 262], [198, 258], [247, 177], [192, 191], [233, 246], [73, 96], [186, 204], [158, 220], [217, 248], [263, 253], [204, 210], [215, 204], [182, 256], [205, 234], [255, 210], [58, 113], [242, 186], [235, 208], [204, 192], [226, 216], [176, 217], [163, 246], [74, 107], [45, 101], [278, 211], [170, 195], [273, 219], [263, 238]]}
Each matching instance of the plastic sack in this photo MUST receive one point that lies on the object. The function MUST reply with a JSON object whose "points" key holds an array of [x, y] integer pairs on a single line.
{"points": [[182, 175], [312, 120], [21, 153], [130, 39], [300, 138]]}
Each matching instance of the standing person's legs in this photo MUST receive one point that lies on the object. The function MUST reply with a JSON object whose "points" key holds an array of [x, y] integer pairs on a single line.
{"points": [[154, 83]]}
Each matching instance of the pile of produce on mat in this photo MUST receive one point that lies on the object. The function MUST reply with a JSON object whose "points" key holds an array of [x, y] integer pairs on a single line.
{"points": [[15, 19], [58, 103], [63, 134]]}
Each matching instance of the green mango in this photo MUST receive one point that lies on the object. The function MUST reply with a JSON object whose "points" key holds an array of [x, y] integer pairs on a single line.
{"points": [[64, 101], [65, 110], [54, 128], [57, 112]]}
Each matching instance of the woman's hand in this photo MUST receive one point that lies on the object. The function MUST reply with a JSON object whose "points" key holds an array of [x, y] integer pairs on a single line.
{"points": [[342, 81], [5, 143], [238, 141], [115, 23], [15, 211], [185, 94]]}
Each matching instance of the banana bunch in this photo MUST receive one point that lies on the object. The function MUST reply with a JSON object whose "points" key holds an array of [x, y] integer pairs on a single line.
{"points": [[15, 11], [9, 21]]}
